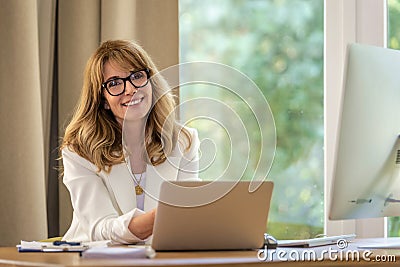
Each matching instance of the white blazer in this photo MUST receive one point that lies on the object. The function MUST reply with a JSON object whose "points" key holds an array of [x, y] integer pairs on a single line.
{"points": [[104, 204]]}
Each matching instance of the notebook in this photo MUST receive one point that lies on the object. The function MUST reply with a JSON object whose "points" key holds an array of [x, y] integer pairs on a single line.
{"points": [[221, 215], [319, 241]]}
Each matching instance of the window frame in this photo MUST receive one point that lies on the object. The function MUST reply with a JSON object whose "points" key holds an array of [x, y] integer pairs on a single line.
{"points": [[347, 21]]}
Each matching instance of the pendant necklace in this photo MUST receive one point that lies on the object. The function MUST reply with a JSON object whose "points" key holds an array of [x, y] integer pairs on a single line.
{"points": [[138, 188]]}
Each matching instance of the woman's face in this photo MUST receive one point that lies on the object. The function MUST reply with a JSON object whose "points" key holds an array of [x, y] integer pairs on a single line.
{"points": [[134, 104]]}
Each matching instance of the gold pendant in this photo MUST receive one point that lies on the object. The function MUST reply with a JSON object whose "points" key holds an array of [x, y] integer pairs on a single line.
{"points": [[138, 190]]}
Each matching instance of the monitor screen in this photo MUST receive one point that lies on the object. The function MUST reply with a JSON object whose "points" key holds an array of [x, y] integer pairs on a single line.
{"points": [[366, 175]]}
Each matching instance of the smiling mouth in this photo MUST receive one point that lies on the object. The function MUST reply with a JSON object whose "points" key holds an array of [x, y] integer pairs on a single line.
{"points": [[133, 102]]}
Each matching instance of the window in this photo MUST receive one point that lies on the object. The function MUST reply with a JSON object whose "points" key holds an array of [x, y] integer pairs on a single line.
{"points": [[278, 45], [393, 42]]}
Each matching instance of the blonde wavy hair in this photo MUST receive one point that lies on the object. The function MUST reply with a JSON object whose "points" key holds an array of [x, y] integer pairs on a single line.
{"points": [[94, 133]]}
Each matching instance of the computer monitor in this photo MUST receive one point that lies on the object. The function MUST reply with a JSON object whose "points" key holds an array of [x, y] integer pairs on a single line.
{"points": [[366, 177]]}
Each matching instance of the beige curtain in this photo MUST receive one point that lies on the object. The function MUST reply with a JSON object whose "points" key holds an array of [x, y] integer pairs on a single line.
{"points": [[24, 85], [27, 29]]}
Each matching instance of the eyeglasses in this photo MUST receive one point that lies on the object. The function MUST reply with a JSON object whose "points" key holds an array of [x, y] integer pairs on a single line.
{"points": [[117, 86]]}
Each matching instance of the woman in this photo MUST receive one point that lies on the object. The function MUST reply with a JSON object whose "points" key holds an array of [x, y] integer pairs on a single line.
{"points": [[121, 143]]}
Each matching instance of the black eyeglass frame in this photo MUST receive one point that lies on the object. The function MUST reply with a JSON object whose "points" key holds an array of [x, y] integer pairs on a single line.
{"points": [[146, 70]]}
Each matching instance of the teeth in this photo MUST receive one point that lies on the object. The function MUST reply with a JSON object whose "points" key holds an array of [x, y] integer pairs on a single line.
{"points": [[134, 102]]}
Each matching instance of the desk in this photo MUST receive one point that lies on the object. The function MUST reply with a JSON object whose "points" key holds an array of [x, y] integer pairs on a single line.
{"points": [[9, 256]]}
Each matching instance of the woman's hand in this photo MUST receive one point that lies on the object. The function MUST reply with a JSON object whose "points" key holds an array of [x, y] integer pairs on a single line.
{"points": [[142, 225]]}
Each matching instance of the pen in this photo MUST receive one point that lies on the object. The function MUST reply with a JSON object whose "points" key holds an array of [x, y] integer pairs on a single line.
{"points": [[61, 243]]}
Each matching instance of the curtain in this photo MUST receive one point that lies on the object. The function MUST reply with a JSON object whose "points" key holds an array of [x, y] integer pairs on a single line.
{"points": [[24, 85], [44, 49]]}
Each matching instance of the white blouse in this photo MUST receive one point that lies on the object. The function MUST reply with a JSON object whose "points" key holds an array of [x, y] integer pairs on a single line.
{"points": [[104, 203]]}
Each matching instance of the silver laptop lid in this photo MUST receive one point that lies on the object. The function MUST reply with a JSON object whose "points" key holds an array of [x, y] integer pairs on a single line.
{"points": [[197, 216]]}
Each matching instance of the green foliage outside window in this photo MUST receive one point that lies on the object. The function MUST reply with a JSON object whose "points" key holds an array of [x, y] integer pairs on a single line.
{"points": [[279, 45], [394, 42]]}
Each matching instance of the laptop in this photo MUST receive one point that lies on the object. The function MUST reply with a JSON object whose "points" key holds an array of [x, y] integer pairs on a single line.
{"points": [[219, 215]]}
